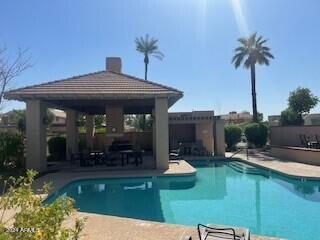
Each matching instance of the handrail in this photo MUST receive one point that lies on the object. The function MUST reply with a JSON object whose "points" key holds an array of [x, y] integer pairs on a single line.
{"points": [[240, 150]]}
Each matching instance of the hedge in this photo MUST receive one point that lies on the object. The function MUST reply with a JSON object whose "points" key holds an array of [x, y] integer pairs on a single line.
{"points": [[232, 135], [57, 148], [257, 134]]}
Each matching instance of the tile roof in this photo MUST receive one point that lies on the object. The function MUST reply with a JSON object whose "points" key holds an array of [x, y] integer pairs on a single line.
{"points": [[97, 85]]}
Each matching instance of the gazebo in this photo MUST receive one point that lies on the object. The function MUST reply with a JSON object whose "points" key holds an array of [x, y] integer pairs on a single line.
{"points": [[107, 92]]}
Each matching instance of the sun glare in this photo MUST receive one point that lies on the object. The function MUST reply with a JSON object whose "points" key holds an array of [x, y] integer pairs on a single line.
{"points": [[237, 6]]}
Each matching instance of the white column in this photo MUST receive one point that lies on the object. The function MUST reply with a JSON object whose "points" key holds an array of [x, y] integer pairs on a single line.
{"points": [[36, 136], [154, 144], [161, 133], [89, 130], [72, 132], [219, 142]]}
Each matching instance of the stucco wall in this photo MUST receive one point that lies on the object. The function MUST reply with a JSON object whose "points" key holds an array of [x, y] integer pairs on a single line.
{"points": [[181, 133], [289, 135], [204, 132], [143, 139], [309, 156]]}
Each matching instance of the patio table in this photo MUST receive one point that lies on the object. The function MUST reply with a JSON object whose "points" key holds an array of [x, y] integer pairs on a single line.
{"points": [[128, 153], [97, 156]]}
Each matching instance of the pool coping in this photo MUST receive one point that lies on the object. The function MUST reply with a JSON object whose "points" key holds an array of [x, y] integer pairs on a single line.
{"points": [[271, 168], [60, 179]]}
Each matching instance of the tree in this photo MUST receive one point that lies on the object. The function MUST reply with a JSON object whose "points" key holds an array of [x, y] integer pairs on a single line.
{"points": [[148, 47], [139, 122], [18, 117], [257, 134], [99, 120], [290, 117], [302, 100], [252, 51], [11, 68]]}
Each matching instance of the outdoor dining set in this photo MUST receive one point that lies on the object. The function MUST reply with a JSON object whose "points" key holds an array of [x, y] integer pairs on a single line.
{"points": [[119, 153]]}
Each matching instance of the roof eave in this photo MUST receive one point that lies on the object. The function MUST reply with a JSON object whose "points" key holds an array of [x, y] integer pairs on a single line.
{"points": [[75, 96]]}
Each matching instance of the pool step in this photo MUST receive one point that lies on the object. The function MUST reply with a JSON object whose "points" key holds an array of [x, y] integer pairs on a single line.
{"points": [[244, 168]]}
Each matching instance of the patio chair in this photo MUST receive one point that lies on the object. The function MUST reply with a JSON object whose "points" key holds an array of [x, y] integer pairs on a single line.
{"points": [[74, 157], [86, 159], [304, 141], [109, 158], [220, 232], [176, 153], [317, 141]]}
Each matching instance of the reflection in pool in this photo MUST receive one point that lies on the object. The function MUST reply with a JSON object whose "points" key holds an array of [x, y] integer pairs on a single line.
{"points": [[224, 192]]}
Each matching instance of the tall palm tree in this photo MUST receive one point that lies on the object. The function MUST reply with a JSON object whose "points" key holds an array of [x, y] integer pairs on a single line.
{"points": [[148, 47], [251, 51]]}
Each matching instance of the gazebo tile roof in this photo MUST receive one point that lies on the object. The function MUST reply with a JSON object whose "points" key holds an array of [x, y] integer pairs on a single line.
{"points": [[97, 84]]}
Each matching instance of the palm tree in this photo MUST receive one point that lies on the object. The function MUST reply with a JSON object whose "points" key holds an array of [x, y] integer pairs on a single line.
{"points": [[251, 51], [148, 47]]}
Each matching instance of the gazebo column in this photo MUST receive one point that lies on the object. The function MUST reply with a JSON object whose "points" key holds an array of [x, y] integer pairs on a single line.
{"points": [[161, 133], [219, 138], [72, 132], [89, 130], [154, 144], [36, 135]]}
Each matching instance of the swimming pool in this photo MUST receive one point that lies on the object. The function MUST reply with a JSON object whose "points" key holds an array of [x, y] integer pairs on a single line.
{"points": [[231, 193]]}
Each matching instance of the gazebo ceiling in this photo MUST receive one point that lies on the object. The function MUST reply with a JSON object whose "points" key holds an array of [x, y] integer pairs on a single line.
{"points": [[92, 92], [134, 106]]}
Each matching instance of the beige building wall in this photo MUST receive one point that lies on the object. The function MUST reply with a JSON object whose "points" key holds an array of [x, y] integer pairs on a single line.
{"points": [[115, 121], [72, 132], [309, 156], [204, 132], [36, 136], [161, 133], [219, 143]]}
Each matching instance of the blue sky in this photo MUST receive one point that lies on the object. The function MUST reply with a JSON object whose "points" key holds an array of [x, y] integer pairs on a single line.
{"points": [[67, 38]]}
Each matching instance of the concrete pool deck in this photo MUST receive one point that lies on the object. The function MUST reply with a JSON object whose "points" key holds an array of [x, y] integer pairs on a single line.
{"points": [[99, 227], [286, 167], [61, 178]]}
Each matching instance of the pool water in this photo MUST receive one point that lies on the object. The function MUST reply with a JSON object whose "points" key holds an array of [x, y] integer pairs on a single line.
{"points": [[225, 192]]}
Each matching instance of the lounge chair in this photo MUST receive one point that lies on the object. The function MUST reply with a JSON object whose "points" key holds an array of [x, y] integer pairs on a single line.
{"points": [[304, 142], [176, 153], [221, 232]]}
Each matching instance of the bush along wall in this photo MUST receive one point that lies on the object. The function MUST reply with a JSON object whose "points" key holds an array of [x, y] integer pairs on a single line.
{"points": [[11, 151], [257, 134], [232, 135]]}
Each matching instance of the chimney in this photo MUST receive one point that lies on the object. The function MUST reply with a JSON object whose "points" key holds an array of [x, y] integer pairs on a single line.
{"points": [[113, 64]]}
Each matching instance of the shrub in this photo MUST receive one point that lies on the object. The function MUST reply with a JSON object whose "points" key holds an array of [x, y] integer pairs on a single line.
{"points": [[44, 221], [232, 135], [57, 148], [11, 151], [290, 117], [257, 134]]}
